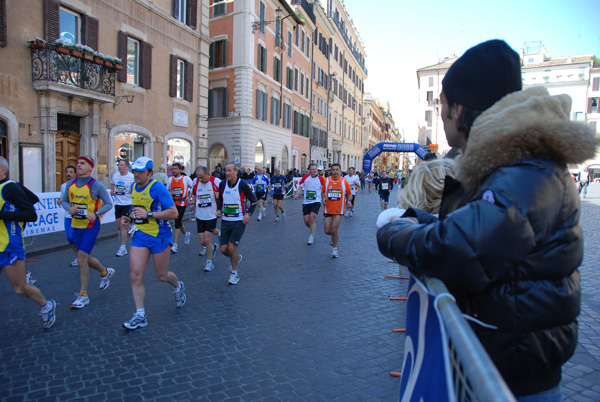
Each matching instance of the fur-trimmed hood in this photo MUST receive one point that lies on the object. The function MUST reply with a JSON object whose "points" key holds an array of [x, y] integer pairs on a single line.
{"points": [[524, 124]]}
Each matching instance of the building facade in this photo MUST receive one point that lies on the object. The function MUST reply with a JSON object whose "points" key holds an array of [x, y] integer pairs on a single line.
{"points": [[64, 96]]}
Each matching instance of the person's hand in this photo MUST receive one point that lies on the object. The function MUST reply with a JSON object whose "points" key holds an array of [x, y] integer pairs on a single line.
{"points": [[73, 210], [218, 214], [59, 202], [91, 217], [246, 218], [140, 213], [389, 215]]}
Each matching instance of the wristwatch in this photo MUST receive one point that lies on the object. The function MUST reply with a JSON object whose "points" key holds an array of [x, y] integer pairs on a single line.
{"points": [[150, 214]]}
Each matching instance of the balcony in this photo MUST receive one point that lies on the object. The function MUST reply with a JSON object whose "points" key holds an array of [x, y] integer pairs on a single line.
{"points": [[59, 72]]}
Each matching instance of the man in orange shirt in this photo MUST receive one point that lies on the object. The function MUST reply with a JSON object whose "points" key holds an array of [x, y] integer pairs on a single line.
{"points": [[335, 198], [179, 186]]}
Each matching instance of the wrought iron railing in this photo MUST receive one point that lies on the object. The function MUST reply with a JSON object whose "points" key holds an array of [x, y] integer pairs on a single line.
{"points": [[47, 64]]}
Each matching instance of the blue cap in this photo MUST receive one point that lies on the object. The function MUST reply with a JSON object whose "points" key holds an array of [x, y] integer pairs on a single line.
{"points": [[142, 163]]}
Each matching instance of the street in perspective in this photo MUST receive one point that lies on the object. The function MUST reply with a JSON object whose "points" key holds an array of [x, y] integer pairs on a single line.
{"points": [[299, 325]]}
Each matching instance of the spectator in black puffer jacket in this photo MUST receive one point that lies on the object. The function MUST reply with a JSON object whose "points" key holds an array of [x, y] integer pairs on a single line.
{"points": [[508, 240]]}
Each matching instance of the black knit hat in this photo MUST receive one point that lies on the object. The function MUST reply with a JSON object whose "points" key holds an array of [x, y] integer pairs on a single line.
{"points": [[483, 75]]}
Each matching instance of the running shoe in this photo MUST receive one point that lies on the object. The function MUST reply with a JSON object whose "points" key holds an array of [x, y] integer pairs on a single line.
{"points": [[180, 295], [202, 252], [277, 219], [186, 241], [49, 316], [259, 217], [334, 252], [106, 279], [233, 279], [209, 266], [122, 251], [30, 279], [174, 248], [81, 301], [311, 240], [215, 246], [75, 263], [136, 322]]}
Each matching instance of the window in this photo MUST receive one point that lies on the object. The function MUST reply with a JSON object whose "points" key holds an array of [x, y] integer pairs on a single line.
{"points": [[217, 102], [297, 36], [181, 84], [428, 117], [289, 44], [302, 42], [277, 69], [593, 105], [275, 111], [220, 8], [186, 11], [3, 30], [596, 84], [430, 81], [137, 57], [277, 32], [262, 18], [65, 24], [217, 54], [287, 114], [302, 83], [261, 105], [3, 139], [296, 79], [289, 79], [262, 58], [430, 98]]}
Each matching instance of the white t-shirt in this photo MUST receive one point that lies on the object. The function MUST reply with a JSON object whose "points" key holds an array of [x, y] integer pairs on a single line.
{"points": [[204, 197], [63, 188], [354, 182], [122, 188], [312, 186]]}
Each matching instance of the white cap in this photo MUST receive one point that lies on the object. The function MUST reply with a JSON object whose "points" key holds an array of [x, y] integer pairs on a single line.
{"points": [[320, 167]]}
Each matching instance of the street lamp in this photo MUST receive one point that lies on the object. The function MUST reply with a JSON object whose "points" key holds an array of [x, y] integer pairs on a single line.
{"points": [[256, 25]]}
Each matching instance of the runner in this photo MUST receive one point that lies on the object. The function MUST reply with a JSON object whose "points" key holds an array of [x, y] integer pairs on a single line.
{"points": [[384, 186], [335, 199], [204, 194], [86, 199], [151, 236], [231, 207], [179, 186], [369, 180], [354, 182], [16, 208], [69, 175], [312, 185], [121, 189], [261, 183], [361, 176], [278, 184]]}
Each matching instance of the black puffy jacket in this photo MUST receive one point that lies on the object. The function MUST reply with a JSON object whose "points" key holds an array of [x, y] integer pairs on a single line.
{"points": [[509, 252]]}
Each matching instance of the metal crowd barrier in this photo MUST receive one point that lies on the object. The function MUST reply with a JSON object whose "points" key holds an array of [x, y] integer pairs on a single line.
{"points": [[475, 375]]}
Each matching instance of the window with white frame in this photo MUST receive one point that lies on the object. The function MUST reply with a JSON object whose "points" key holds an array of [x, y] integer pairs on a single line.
{"points": [[217, 102], [133, 61]]}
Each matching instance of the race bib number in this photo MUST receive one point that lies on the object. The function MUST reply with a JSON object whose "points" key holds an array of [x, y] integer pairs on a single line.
{"points": [[334, 195], [277, 185], [177, 192], [120, 190], [260, 188], [384, 186], [231, 210], [204, 201], [311, 195], [82, 211], [139, 221]]}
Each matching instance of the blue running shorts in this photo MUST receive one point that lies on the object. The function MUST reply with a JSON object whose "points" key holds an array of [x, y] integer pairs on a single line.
{"points": [[7, 259], [69, 231], [85, 239], [156, 245]]}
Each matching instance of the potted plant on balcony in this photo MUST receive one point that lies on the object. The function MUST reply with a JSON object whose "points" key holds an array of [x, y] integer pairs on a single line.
{"points": [[37, 43], [61, 47], [118, 63], [88, 53], [76, 50]]}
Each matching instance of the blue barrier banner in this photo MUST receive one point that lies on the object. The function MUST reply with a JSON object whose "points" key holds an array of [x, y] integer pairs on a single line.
{"points": [[426, 371], [391, 147]]}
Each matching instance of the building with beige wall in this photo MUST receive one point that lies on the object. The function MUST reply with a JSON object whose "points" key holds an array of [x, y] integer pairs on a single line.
{"points": [[56, 106]]}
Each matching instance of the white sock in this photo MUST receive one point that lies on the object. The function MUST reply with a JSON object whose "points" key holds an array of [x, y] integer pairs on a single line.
{"points": [[47, 307], [234, 272], [141, 312], [209, 261]]}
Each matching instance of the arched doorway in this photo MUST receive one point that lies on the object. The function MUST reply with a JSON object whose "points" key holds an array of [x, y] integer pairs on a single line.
{"points": [[259, 155], [180, 150], [129, 145], [67, 152], [218, 154], [284, 160]]}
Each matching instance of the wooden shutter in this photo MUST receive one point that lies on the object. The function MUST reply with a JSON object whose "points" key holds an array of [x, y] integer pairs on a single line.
{"points": [[173, 76], [122, 54], [192, 13], [589, 110], [3, 31], [265, 106], [224, 52], [258, 104], [176, 9], [189, 82], [210, 101], [596, 84], [52, 20], [211, 55], [90, 31], [146, 65], [224, 102]]}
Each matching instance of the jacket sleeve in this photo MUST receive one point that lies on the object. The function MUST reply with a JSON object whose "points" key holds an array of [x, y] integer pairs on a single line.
{"points": [[14, 193], [468, 250]]}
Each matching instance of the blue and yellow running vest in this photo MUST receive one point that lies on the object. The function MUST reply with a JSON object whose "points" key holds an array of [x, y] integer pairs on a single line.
{"points": [[11, 232]]}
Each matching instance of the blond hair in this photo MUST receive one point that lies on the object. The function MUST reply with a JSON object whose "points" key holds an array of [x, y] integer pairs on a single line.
{"points": [[424, 188]]}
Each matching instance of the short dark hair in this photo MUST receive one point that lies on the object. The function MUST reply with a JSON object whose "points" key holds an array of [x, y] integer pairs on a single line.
{"points": [[72, 167], [179, 165], [466, 118], [310, 164], [124, 160], [335, 164]]}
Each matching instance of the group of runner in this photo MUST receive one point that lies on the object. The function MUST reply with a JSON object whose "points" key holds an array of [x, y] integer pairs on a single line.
{"points": [[143, 208]]}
